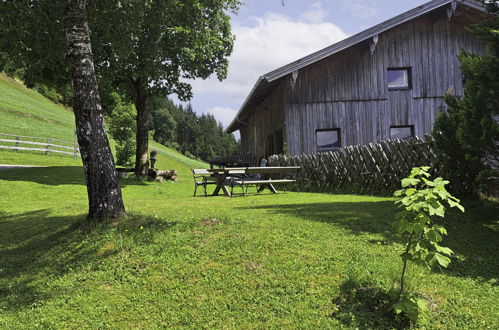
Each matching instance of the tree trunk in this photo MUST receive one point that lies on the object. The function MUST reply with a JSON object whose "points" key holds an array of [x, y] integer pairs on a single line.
{"points": [[104, 193], [141, 100]]}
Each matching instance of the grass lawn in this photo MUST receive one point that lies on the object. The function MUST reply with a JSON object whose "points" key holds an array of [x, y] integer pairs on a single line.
{"points": [[271, 261]]}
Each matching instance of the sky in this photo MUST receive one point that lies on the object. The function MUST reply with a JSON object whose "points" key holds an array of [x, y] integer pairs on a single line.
{"points": [[270, 35]]}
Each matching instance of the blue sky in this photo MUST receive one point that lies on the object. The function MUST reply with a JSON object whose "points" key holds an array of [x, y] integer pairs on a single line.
{"points": [[270, 35]]}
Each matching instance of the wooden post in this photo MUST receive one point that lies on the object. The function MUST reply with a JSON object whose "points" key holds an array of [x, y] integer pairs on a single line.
{"points": [[48, 147], [17, 144]]}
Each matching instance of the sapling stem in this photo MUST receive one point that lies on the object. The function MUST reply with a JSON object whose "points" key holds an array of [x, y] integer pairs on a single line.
{"points": [[404, 267]]}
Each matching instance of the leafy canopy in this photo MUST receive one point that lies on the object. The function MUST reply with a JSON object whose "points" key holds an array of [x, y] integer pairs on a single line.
{"points": [[161, 42]]}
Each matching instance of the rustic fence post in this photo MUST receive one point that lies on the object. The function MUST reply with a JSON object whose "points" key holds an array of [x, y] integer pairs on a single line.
{"points": [[48, 147], [17, 143]]}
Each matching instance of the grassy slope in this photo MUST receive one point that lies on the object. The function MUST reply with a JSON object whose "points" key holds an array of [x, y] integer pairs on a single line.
{"points": [[289, 260], [25, 112]]}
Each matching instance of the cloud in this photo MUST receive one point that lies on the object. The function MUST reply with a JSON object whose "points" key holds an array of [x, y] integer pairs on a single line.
{"points": [[223, 114], [315, 14], [265, 44], [357, 9]]}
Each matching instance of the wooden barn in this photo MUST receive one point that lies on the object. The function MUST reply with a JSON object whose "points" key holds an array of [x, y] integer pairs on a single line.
{"points": [[385, 82]]}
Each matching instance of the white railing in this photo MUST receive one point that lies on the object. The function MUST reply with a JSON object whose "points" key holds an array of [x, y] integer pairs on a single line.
{"points": [[43, 144]]}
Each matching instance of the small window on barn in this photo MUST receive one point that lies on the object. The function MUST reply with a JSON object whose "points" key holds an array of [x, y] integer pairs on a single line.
{"points": [[401, 132], [328, 139], [398, 78]]}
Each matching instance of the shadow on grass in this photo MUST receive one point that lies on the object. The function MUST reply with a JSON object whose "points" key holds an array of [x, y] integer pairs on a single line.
{"points": [[357, 217], [361, 305], [472, 235], [38, 250], [56, 176]]}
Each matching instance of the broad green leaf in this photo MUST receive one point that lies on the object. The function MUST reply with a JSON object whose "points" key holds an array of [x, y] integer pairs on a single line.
{"points": [[434, 236], [444, 250], [422, 306], [398, 307], [440, 259], [409, 182], [440, 229]]}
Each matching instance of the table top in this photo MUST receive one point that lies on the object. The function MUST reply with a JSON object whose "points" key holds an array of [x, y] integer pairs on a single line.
{"points": [[254, 170], [227, 170], [272, 169]]}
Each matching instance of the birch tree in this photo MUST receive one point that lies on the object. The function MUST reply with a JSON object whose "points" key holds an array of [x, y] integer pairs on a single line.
{"points": [[104, 194]]}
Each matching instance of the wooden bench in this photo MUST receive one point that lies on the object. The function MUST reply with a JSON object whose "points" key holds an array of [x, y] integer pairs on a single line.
{"points": [[267, 183], [202, 178]]}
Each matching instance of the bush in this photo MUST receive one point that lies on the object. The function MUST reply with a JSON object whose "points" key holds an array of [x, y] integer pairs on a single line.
{"points": [[48, 92], [122, 127]]}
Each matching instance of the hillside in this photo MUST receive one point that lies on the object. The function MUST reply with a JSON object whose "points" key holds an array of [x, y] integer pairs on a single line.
{"points": [[26, 112]]}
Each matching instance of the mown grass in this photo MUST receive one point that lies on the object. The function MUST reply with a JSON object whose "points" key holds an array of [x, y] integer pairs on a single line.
{"points": [[288, 260], [25, 112]]}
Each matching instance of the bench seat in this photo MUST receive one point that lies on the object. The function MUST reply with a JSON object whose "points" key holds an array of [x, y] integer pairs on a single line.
{"points": [[250, 181]]}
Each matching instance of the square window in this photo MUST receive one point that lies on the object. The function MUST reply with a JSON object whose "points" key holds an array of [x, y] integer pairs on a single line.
{"points": [[328, 139], [398, 78], [401, 132]]}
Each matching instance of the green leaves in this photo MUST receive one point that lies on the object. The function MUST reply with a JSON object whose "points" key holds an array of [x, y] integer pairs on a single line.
{"points": [[422, 200], [412, 306], [438, 259]]}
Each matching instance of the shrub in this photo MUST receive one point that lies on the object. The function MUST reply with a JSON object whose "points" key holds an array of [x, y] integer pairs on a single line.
{"points": [[122, 128]]}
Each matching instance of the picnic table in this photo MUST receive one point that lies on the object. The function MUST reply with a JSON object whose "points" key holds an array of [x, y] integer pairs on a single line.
{"points": [[243, 176]]}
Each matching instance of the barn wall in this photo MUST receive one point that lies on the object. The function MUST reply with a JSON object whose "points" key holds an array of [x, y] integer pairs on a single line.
{"points": [[268, 117], [247, 140], [348, 90]]}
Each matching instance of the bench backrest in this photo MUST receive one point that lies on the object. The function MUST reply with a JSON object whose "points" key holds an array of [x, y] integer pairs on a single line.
{"points": [[200, 171]]}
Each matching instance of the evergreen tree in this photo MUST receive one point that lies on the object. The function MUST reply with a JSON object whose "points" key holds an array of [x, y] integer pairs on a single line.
{"points": [[195, 136], [467, 136]]}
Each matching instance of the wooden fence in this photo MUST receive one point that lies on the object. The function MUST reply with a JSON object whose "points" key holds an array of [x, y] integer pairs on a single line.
{"points": [[374, 169], [234, 161], [32, 143]]}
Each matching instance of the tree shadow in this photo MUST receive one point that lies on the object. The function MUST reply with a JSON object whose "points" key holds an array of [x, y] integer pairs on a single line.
{"points": [[361, 305], [57, 176], [52, 175], [37, 247], [357, 217], [472, 235]]}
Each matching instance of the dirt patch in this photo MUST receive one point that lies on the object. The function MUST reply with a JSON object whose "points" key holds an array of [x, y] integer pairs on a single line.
{"points": [[210, 222]]}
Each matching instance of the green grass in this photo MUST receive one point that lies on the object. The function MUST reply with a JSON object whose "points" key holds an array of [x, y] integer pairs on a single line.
{"points": [[294, 260], [284, 260], [25, 112]]}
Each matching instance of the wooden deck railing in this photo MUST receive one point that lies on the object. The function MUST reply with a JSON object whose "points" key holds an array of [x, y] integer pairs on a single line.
{"points": [[42, 144]]}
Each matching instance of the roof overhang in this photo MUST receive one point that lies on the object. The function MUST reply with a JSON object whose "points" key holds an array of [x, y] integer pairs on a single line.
{"points": [[266, 83]]}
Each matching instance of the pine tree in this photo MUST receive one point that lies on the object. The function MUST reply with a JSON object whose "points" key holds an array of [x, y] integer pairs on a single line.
{"points": [[467, 136]]}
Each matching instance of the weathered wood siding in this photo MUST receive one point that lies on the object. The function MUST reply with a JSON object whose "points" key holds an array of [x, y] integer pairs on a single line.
{"points": [[267, 118], [348, 90]]}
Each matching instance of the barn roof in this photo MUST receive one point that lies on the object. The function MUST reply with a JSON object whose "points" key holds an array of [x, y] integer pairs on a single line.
{"points": [[266, 83]]}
